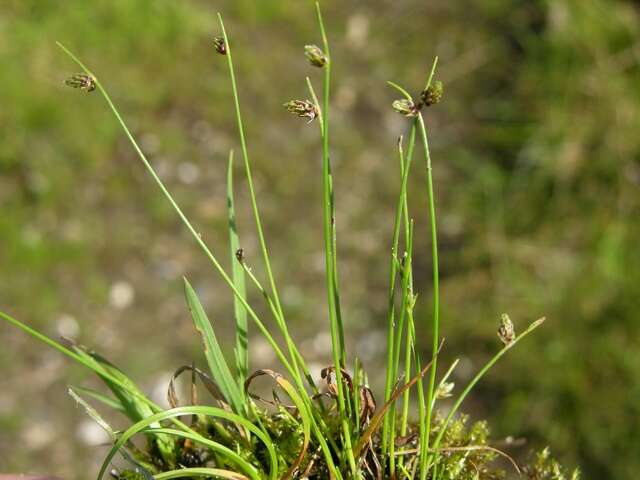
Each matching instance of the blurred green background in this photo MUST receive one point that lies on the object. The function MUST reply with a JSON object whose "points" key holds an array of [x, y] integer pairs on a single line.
{"points": [[536, 152]]}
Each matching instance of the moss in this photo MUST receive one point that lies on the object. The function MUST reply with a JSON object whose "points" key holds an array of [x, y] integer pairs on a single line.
{"points": [[466, 452], [545, 467]]}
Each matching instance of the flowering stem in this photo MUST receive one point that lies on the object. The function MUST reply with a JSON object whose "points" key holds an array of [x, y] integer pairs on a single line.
{"points": [[197, 237], [256, 213], [436, 296], [435, 278], [469, 387], [393, 344], [335, 317]]}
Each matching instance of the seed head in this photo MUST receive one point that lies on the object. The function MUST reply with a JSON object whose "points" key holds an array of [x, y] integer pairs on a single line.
{"points": [[240, 255], [220, 45], [406, 107], [302, 108], [81, 81], [315, 55], [506, 332], [433, 94]]}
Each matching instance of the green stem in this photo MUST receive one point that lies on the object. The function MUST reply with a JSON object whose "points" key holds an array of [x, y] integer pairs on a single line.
{"points": [[209, 255], [198, 238], [247, 166], [296, 358], [391, 326], [337, 329], [406, 302], [241, 349], [469, 387], [436, 295], [256, 212], [279, 320], [436, 298], [409, 344]]}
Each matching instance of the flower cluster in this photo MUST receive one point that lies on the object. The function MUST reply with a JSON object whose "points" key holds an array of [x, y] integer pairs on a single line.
{"points": [[302, 108], [81, 81], [220, 45], [506, 332], [428, 97], [315, 55]]}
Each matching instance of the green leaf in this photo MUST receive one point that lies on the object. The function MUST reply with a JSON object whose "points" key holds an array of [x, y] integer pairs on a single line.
{"points": [[111, 376], [213, 353], [104, 399], [93, 413], [124, 390], [128, 394], [83, 358], [213, 412], [241, 350], [142, 470], [200, 472]]}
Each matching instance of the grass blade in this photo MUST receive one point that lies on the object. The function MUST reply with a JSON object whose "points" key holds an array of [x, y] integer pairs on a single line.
{"points": [[200, 472], [213, 353], [93, 413], [86, 361], [254, 203], [194, 233], [105, 400], [435, 264], [96, 417], [391, 323], [129, 395], [230, 456], [126, 390], [199, 410], [237, 275], [469, 387]]}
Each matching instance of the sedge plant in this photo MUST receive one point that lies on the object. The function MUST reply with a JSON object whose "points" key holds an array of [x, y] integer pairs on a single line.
{"points": [[331, 427]]}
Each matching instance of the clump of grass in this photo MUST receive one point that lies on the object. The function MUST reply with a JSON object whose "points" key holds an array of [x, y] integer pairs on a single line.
{"points": [[331, 427]]}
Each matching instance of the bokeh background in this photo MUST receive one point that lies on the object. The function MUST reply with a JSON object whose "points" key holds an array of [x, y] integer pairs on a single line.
{"points": [[536, 152]]}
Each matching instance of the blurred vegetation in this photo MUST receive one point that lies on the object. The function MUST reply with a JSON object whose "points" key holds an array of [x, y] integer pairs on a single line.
{"points": [[537, 164]]}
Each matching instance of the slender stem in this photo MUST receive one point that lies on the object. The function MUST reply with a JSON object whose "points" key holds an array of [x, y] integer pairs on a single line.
{"points": [[254, 206], [435, 272], [409, 353], [409, 343], [472, 383], [391, 326], [212, 258], [356, 394], [296, 358], [321, 123], [316, 102], [422, 426], [337, 329], [247, 166], [275, 305], [241, 349], [406, 301], [198, 238], [436, 297], [280, 320]]}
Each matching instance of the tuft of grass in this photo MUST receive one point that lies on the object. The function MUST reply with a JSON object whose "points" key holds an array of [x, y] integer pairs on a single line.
{"points": [[335, 430]]}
